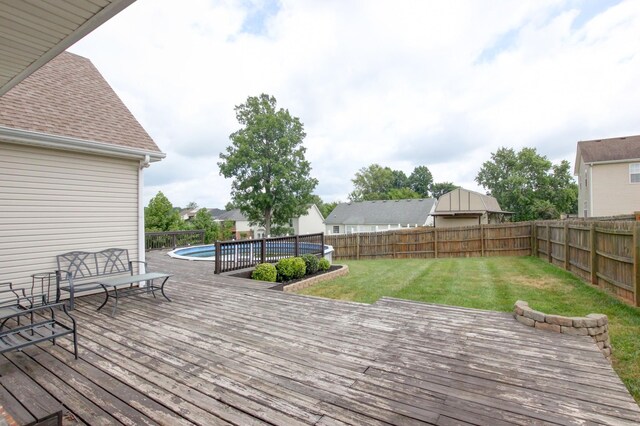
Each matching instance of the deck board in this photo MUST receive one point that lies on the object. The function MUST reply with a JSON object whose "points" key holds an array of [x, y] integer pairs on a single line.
{"points": [[228, 351]]}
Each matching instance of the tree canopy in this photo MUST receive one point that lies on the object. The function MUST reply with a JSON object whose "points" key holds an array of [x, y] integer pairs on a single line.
{"points": [[529, 185], [160, 215], [383, 183], [440, 188], [271, 177]]}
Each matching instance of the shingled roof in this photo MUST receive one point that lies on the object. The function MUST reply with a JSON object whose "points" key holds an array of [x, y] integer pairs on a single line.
{"points": [[607, 150], [69, 97], [382, 212]]}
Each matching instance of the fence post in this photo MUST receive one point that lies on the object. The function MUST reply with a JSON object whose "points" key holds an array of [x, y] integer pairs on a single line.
{"points": [[481, 240], [534, 239], [594, 254], [636, 262], [322, 245], [549, 246], [263, 251], [174, 241], [358, 246], [296, 249], [435, 243], [218, 262], [566, 246]]}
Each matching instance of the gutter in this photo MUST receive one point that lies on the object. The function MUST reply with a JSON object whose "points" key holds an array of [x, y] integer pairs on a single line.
{"points": [[45, 140]]}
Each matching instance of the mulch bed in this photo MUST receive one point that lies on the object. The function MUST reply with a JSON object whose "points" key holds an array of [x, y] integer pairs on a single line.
{"points": [[280, 286]]}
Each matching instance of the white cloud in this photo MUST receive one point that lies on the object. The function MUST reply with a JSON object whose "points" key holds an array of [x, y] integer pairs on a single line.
{"points": [[402, 84]]}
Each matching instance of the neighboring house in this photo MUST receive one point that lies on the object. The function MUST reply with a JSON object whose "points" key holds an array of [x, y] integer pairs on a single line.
{"points": [[381, 215], [608, 173], [241, 226], [309, 223], [462, 207], [71, 169], [188, 214]]}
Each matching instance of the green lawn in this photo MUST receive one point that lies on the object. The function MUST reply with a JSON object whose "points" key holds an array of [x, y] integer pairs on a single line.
{"points": [[495, 284]]}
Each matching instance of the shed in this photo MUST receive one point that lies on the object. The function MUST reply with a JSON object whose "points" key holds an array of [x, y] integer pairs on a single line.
{"points": [[462, 207]]}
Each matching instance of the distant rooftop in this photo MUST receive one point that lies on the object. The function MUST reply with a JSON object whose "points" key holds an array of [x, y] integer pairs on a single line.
{"points": [[607, 150], [382, 212]]}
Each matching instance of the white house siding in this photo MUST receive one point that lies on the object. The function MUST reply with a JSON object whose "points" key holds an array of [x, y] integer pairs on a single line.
{"points": [[310, 223], [54, 201], [612, 192]]}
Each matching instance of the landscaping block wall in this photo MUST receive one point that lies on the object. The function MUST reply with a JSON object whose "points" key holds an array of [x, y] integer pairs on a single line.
{"points": [[594, 325]]}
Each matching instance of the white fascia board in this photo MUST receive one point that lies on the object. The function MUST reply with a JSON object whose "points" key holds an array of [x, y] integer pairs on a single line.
{"points": [[102, 16], [27, 137], [626, 160]]}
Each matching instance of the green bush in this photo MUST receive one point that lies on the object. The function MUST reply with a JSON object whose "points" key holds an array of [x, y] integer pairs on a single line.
{"points": [[324, 264], [291, 268], [265, 272], [311, 262]]}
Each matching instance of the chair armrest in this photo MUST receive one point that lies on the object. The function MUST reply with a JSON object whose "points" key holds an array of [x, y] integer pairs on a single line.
{"points": [[131, 262]]}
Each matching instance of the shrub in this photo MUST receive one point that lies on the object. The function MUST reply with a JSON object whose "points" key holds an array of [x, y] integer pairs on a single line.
{"points": [[311, 262], [265, 272], [291, 268], [324, 264]]}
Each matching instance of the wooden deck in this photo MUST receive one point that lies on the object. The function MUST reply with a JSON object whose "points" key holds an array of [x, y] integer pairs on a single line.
{"points": [[230, 352]]}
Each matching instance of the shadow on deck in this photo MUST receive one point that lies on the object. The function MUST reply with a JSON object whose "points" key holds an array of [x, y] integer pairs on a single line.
{"points": [[230, 351]]}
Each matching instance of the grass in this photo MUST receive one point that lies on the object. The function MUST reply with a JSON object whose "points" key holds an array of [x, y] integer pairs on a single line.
{"points": [[494, 284]]}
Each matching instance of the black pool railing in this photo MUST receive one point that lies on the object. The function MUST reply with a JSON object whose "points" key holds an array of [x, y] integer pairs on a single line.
{"points": [[173, 239], [235, 255]]}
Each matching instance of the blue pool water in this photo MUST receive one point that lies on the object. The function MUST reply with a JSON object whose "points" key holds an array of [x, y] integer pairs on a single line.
{"points": [[208, 252]]}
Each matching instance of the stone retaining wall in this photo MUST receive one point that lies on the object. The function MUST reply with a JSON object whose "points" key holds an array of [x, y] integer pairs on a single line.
{"points": [[344, 270], [594, 325]]}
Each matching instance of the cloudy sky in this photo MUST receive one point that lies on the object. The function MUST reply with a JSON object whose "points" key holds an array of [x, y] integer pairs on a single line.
{"points": [[399, 83]]}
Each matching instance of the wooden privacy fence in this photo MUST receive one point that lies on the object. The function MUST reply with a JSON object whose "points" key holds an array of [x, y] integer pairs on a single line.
{"points": [[606, 254], [235, 255], [512, 239], [173, 239]]}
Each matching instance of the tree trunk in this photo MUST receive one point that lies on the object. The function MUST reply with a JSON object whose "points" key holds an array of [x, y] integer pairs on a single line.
{"points": [[267, 222]]}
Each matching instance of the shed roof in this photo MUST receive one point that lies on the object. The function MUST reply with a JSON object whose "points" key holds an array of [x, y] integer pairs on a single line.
{"points": [[464, 201], [608, 150], [382, 212], [69, 97]]}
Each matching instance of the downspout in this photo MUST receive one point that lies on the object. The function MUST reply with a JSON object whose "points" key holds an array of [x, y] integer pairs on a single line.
{"points": [[590, 190], [141, 243]]}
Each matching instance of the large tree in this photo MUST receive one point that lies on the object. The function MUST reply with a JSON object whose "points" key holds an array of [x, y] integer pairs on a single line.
{"points": [[160, 215], [372, 183], [421, 180], [528, 184], [271, 181]]}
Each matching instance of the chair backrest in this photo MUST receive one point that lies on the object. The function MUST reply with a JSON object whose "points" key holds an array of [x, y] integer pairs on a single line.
{"points": [[113, 261], [8, 295], [83, 264], [77, 264]]}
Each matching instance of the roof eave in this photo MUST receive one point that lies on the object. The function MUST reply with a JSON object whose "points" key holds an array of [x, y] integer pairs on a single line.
{"points": [[93, 22], [27, 137]]}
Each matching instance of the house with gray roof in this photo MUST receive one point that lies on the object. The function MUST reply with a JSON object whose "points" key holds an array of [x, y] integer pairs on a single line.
{"points": [[72, 158], [462, 207], [379, 215], [309, 223], [608, 172]]}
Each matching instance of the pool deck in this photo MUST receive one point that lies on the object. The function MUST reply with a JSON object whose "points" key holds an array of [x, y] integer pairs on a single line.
{"points": [[231, 351]]}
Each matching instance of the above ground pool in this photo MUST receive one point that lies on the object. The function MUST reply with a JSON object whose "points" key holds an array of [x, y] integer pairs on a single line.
{"points": [[208, 252]]}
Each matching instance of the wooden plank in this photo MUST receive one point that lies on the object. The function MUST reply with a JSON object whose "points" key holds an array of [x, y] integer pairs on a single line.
{"points": [[33, 397], [15, 409]]}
